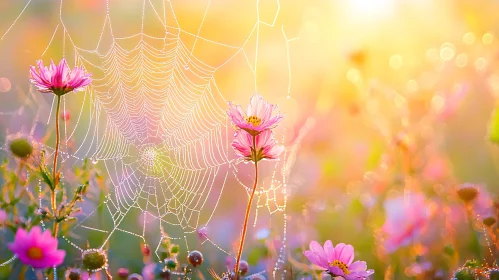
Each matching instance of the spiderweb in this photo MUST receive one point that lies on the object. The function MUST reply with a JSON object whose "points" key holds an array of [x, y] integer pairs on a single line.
{"points": [[154, 119]]}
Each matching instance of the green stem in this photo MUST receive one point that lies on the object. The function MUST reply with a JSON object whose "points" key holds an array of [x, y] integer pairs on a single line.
{"points": [[475, 243], [248, 209], [56, 153]]}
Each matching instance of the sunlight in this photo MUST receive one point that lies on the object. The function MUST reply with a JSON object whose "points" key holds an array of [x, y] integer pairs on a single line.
{"points": [[370, 9]]}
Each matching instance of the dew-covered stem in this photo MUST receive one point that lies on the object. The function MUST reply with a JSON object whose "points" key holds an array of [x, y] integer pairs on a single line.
{"points": [[54, 172], [248, 209]]}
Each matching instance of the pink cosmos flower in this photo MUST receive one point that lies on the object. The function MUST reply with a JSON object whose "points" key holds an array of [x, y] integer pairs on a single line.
{"points": [[338, 261], [59, 79], [258, 117], [406, 216], [37, 248], [265, 146]]}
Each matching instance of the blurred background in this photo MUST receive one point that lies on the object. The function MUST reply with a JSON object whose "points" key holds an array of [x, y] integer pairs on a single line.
{"points": [[382, 98]]}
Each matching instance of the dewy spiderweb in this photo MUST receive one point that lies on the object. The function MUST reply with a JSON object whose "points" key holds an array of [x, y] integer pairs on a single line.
{"points": [[155, 118]]}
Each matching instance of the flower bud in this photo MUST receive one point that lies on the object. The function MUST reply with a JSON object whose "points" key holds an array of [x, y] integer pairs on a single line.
{"points": [[21, 148], [135, 276], [94, 260], [171, 264], [202, 233], [73, 274], [467, 192], [123, 273], [489, 221], [464, 274], [146, 250], [195, 258], [243, 267], [174, 249]]}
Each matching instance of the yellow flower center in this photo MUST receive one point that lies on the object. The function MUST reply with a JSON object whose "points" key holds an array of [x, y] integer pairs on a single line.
{"points": [[341, 265], [35, 253], [255, 121]]}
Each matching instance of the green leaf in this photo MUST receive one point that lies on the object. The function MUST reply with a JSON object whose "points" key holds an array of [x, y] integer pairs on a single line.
{"points": [[257, 254], [47, 178], [60, 196]]}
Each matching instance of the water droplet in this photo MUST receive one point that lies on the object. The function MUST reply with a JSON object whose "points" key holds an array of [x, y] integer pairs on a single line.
{"points": [[186, 66], [94, 161]]}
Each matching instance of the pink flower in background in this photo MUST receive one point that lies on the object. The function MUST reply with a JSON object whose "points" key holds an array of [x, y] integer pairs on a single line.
{"points": [[3, 217], [453, 101], [37, 248], [338, 260], [406, 216], [59, 79], [436, 168], [258, 116], [66, 115], [265, 146], [483, 205], [202, 233]]}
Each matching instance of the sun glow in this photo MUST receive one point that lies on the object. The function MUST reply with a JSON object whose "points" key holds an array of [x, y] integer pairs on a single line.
{"points": [[370, 9]]}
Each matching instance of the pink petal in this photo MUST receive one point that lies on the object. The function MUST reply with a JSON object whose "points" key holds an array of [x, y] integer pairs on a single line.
{"points": [[317, 249], [344, 253], [358, 266], [35, 233], [313, 258], [329, 249]]}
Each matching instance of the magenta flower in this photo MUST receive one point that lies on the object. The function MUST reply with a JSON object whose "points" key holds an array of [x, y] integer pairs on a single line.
{"points": [[37, 248], [265, 146], [337, 261], [258, 117], [59, 79], [406, 216]]}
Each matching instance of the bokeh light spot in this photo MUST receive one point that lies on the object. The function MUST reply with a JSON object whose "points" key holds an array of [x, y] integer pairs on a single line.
{"points": [[461, 60], [437, 103], [487, 38], [412, 86], [480, 64], [396, 61], [447, 52], [469, 38], [5, 84]]}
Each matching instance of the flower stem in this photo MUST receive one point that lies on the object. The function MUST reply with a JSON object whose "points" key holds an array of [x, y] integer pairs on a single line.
{"points": [[475, 243], [56, 153], [248, 208]]}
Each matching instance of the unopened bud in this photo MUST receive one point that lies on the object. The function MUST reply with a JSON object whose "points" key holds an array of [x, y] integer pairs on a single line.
{"points": [[467, 192]]}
